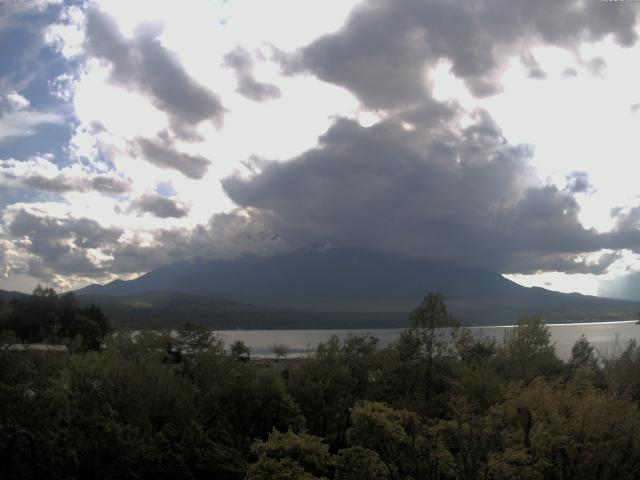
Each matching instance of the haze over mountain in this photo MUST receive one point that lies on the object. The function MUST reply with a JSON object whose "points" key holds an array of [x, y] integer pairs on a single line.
{"points": [[351, 281]]}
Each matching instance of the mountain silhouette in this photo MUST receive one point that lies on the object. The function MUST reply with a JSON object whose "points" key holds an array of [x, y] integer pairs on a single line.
{"points": [[359, 282]]}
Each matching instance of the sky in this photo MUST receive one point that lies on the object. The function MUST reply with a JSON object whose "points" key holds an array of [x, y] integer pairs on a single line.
{"points": [[498, 134]]}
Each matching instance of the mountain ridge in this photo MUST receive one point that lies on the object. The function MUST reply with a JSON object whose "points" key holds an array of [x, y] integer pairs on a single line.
{"points": [[344, 281]]}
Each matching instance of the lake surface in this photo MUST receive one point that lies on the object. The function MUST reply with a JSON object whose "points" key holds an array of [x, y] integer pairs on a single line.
{"points": [[606, 337]]}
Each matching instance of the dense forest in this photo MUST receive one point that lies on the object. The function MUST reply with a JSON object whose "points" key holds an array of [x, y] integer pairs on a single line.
{"points": [[439, 403], [48, 317]]}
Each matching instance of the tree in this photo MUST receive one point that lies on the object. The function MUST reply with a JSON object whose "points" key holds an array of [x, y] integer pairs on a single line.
{"points": [[193, 338], [285, 455], [280, 350], [323, 387], [358, 463], [527, 351], [582, 354], [238, 349], [470, 438], [406, 445], [433, 326]]}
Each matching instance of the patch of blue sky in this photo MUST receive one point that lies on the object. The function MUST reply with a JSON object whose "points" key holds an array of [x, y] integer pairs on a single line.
{"points": [[16, 43], [38, 89], [29, 66], [166, 189], [47, 138]]}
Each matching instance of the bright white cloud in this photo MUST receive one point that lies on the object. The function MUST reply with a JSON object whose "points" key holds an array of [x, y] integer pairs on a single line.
{"points": [[24, 123], [17, 101]]}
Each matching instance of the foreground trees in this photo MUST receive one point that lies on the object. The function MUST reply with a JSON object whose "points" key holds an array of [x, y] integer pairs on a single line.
{"points": [[439, 403], [46, 316]]}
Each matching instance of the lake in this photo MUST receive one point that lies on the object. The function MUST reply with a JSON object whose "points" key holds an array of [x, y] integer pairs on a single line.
{"points": [[606, 337]]}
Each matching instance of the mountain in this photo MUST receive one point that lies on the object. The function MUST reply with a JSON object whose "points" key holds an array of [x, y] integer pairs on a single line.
{"points": [[7, 296], [355, 282]]}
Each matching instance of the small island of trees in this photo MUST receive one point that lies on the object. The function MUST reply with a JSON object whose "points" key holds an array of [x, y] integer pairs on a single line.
{"points": [[439, 403]]}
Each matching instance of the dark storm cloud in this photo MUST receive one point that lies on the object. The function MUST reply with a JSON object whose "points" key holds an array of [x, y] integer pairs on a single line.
{"points": [[144, 64], [159, 206], [382, 51], [240, 60], [163, 154], [456, 197]]}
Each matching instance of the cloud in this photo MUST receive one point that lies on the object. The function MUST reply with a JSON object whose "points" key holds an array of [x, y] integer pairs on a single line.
{"points": [[162, 153], [40, 173], [597, 66], [24, 123], [65, 251], [569, 72], [46, 230], [110, 183], [627, 219], [448, 195], [535, 71], [17, 101], [578, 182], [159, 206], [383, 51], [4, 248], [566, 263], [240, 60], [626, 287], [50, 246], [143, 64], [63, 86]]}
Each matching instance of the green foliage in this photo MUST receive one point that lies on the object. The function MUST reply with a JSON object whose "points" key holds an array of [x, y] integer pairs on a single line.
{"points": [[515, 464], [193, 338], [358, 463], [527, 351], [440, 403], [278, 469], [241, 402], [280, 350], [238, 349], [622, 372], [405, 443], [567, 428], [48, 317], [301, 452], [432, 328], [328, 383]]}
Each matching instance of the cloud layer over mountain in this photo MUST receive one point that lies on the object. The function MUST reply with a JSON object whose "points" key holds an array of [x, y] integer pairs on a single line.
{"points": [[146, 134]]}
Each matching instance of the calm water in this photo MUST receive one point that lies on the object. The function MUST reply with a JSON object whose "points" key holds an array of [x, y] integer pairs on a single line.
{"points": [[606, 337]]}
